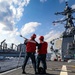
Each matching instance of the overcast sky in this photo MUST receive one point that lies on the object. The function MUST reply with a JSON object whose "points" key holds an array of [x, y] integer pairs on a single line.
{"points": [[30, 16]]}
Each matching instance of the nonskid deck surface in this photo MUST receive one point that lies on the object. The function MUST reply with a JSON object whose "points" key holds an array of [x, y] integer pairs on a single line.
{"points": [[53, 68]]}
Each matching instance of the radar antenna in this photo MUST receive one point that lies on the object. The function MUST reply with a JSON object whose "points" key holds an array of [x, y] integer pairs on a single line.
{"points": [[68, 11]]}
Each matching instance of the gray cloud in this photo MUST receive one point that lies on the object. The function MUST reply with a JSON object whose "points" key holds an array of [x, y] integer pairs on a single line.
{"points": [[73, 6], [10, 12], [5, 15]]}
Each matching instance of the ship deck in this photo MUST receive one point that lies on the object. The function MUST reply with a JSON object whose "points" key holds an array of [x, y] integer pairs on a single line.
{"points": [[53, 68]]}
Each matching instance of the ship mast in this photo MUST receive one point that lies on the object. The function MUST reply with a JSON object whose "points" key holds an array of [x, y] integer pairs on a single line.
{"points": [[68, 11]]}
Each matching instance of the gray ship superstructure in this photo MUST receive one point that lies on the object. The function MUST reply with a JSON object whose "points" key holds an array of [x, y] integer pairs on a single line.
{"points": [[68, 36]]}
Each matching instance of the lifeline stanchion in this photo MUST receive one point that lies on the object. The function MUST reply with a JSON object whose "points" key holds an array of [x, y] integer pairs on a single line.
{"points": [[20, 52], [19, 58]]}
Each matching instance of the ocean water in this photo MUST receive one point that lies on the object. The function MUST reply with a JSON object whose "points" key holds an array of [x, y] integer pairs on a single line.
{"points": [[14, 62], [10, 63]]}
